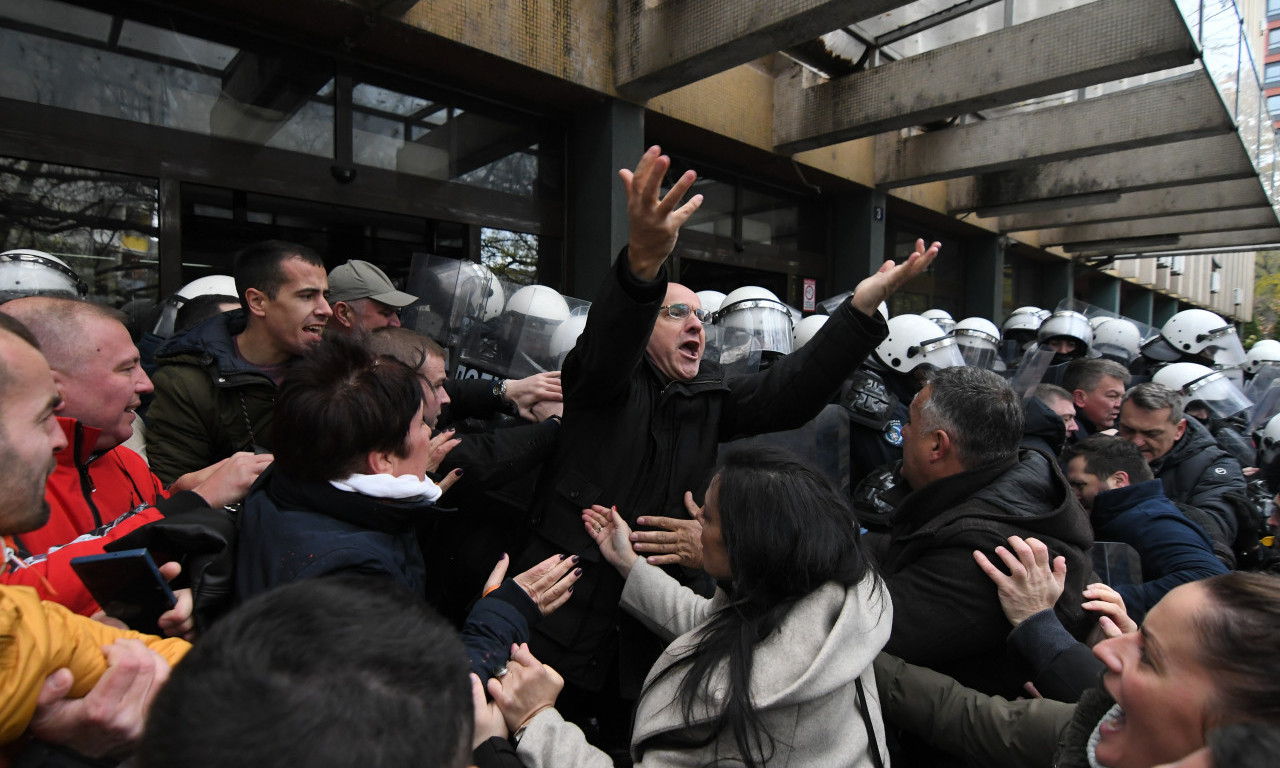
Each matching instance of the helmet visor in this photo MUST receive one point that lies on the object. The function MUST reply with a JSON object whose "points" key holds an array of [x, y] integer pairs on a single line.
{"points": [[1219, 394], [768, 321], [1160, 350], [1225, 348], [941, 352]]}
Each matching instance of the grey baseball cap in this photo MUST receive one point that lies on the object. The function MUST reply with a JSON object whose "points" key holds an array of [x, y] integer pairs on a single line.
{"points": [[361, 280]]}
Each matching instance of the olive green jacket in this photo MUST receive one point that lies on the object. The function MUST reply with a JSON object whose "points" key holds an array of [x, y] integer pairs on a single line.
{"points": [[209, 403]]}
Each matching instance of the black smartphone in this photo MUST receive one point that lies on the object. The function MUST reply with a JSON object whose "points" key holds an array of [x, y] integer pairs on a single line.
{"points": [[128, 586]]}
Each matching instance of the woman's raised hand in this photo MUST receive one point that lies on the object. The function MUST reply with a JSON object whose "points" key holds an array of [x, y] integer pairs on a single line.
{"points": [[612, 534]]}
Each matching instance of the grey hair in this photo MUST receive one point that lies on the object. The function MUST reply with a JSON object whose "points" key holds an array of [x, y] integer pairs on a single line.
{"points": [[1151, 396], [1051, 393], [979, 411], [1086, 373], [59, 324]]}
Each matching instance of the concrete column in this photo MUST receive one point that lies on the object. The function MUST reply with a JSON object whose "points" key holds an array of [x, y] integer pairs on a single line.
{"points": [[1163, 308], [1138, 306], [858, 238], [984, 273], [605, 137], [1104, 291]]}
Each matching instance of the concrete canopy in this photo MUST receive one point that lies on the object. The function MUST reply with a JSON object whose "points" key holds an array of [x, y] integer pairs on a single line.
{"points": [[1193, 198], [1102, 41], [1175, 109], [1225, 221], [662, 47], [1213, 159]]}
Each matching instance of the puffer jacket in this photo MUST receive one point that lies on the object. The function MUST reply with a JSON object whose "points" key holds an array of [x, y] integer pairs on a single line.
{"points": [[1198, 472], [209, 403], [38, 639], [946, 612]]}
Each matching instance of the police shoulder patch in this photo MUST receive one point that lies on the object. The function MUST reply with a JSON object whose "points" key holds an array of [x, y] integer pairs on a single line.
{"points": [[893, 432]]}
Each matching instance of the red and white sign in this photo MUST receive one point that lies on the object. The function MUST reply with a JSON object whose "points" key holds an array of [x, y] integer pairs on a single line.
{"points": [[810, 294]]}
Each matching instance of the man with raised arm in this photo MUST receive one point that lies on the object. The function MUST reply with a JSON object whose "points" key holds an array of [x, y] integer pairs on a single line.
{"points": [[643, 416]]}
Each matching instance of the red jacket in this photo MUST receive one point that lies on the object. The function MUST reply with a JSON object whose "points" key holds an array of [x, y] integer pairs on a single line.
{"points": [[92, 501], [86, 492]]}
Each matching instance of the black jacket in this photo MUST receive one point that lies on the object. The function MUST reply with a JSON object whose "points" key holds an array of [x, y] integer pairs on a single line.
{"points": [[946, 614], [633, 439], [1196, 471], [1044, 430]]}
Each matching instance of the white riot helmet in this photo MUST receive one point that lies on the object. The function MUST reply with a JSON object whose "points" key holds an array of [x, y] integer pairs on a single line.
{"points": [[1198, 332], [25, 272], [209, 285], [710, 300], [807, 327], [1268, 441], [752, 311], [1203, 384], [1116, 339], [914, 341], [1069, 325], [979, 340], [1023, 322], [942, 317], [566, 336], [1263, 352], [539, 303]]}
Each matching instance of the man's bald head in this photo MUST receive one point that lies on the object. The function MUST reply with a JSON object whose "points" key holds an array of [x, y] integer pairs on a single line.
{"points": [[94, 362], [677, 343]]}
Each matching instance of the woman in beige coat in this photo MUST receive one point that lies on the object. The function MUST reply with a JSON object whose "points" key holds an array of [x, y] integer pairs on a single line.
{"points": [[774, 669]]}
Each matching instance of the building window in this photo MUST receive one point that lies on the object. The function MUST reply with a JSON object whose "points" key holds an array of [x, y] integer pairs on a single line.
{"points": [[1273, 8], [1273, 40], [1273, 73], [104, 225]]}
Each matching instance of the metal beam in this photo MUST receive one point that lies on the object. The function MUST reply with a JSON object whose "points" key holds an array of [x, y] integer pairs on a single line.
{"points": [[1094, 43], [1199, 242], [1175, 109], [1217, 158], [663, 46], [1193, 198], [1228, 221]]}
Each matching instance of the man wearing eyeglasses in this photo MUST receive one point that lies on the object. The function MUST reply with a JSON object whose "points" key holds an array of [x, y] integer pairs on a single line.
{"points": [[643, 417]]}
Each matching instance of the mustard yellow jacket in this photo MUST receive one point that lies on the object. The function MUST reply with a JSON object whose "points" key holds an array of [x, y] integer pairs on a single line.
{"points": [[38, 638]]}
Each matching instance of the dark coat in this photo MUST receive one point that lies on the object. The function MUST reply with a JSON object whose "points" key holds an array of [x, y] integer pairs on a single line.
{"points": [[209, 403], [292, 530], [946, 612], [633, 439], [1196, 471], [1044, 430], [1174, 550]]}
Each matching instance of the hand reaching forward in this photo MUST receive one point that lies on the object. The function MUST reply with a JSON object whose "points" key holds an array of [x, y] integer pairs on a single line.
{"points": [[528, 687], [654, 222], [679, 542], [890, 277], [1114, 620], [1032, 584], [612, 534], [549, 584]]}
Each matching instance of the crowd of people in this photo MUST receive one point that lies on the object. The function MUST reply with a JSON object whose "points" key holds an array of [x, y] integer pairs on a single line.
{"points": [[1037, 545]]}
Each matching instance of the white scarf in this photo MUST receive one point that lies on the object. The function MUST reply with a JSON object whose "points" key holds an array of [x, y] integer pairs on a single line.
{"points": [[390, 487]]}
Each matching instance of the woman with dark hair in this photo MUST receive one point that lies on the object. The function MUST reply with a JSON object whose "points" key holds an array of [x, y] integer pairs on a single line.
{"points": [[1205, 658], [774, 669], [348, 487]]}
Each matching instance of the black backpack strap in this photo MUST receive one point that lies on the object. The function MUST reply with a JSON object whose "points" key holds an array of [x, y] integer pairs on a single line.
{"points": [[872, 744]]}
